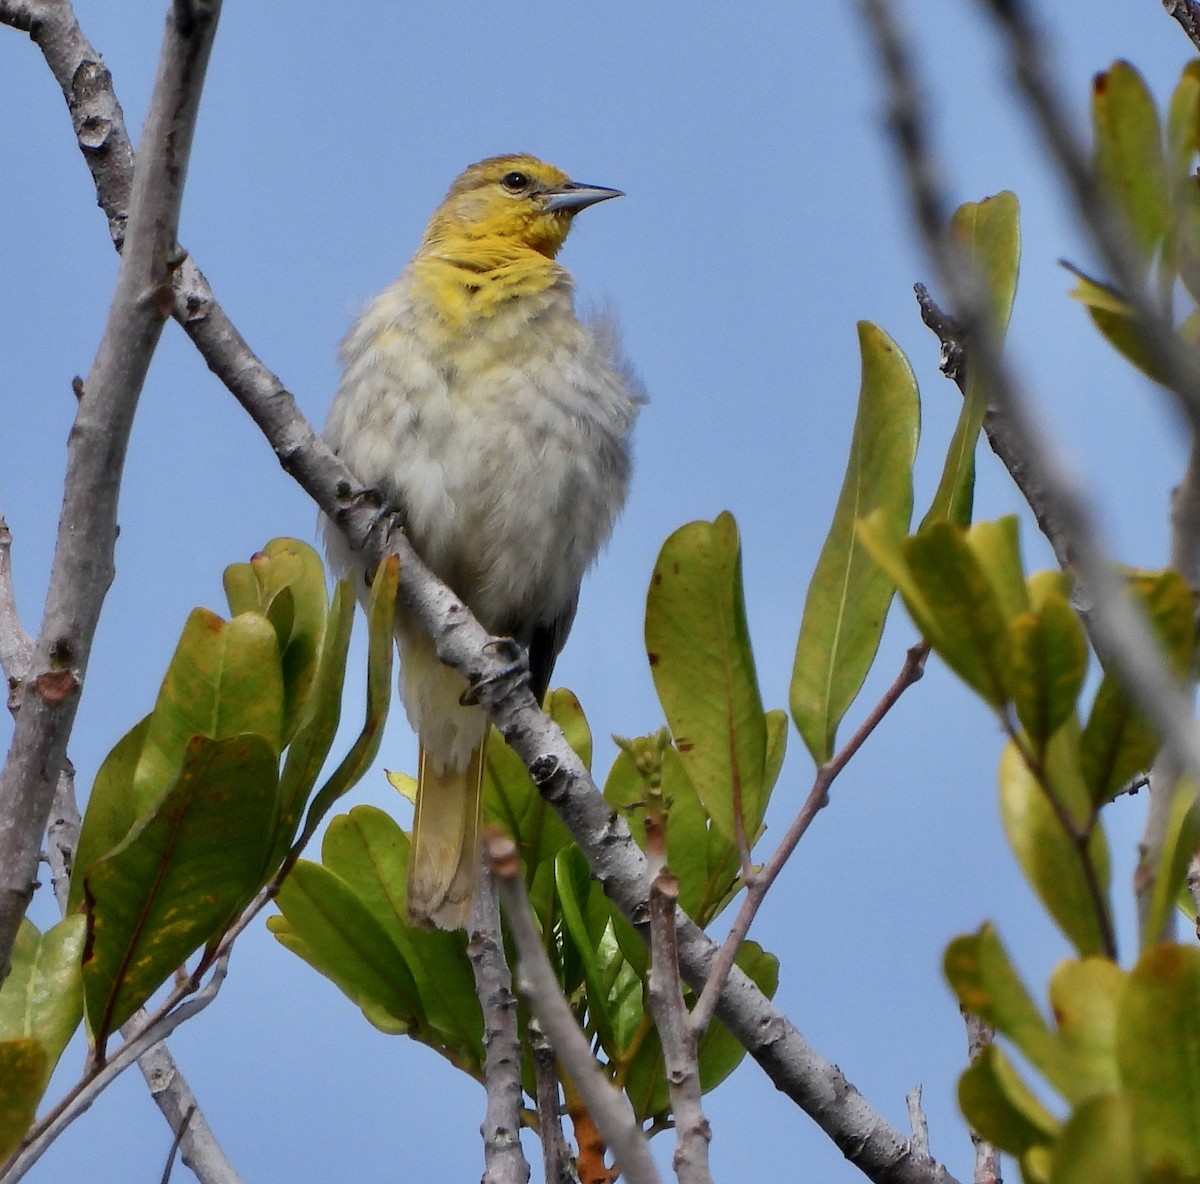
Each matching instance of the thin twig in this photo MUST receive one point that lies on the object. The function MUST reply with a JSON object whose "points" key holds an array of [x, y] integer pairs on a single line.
{"points": [[917, 1121], [665, 998], [166, 1176], [608, 1107], [558, 1165], [955, 360], [867, 1139], [987, 1158], [504, 1161], [818, 796], [83, 561], [16, 646], [1187, 13], [1119, 625]]}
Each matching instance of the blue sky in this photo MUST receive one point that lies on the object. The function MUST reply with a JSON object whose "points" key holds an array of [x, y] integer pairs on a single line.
{"points": [[763, 218]]}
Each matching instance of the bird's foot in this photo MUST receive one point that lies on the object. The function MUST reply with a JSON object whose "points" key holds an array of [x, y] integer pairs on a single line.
{"points": [[514, 670]]}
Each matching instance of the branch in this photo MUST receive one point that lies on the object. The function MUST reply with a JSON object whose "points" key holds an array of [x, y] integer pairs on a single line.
{"points": [[955, 359], [1187, 13], [608, 1107], [987, 1158], [677, 1037], [504, 1161], [1120, 627], [818, 797], [871, 1143], [83, 561], [557, 1162]]}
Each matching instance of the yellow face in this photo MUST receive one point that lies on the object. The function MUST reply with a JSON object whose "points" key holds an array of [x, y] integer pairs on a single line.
{"points": [[518, 199]]}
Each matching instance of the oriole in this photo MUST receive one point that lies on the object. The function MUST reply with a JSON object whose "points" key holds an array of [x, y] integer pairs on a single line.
{"points": [[497, 422]]}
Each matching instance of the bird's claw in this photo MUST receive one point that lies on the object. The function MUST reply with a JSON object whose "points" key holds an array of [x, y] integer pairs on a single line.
{"points": [[515, 669]]}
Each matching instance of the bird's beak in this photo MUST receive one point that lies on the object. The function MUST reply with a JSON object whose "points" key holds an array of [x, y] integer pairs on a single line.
{"points": [[572, 196]]}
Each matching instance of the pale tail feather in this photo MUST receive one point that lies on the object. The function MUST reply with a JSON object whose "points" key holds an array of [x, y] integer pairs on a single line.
{"points": [[444, 860]]}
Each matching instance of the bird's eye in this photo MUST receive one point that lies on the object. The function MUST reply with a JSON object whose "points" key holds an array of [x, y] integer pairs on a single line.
{"points": [[515, 181]]}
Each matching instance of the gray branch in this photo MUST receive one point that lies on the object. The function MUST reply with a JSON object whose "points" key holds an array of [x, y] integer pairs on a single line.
{"points": [[607, 1106], [504, 1161], [677, 1037]]}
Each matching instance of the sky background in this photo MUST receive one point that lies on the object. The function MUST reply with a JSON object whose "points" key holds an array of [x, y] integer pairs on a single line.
{"points": [[763, 219]]}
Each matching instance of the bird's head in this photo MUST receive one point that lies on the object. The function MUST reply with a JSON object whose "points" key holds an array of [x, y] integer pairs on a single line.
{"points": [[517, 199]]}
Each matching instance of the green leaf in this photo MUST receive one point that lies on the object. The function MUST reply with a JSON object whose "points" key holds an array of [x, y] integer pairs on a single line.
{"points": [[971, 628], [369, 853], [1001, 1107], [381, 615], [172, 884], [112, 807], [317, 726], [1158, 1046], [699, 650], [326, 924], [1049, 657], [1182, 249], [224, 680], [986, 984], [1118, 740], [1181, 840], [1115, 318], [1084, 998], [849, 595], [24, 1074], [42, 998], [989, 235], [291, 580], [1074, 892], [1128, 156], [997, 549], [573, 882], [1098, 1145]]}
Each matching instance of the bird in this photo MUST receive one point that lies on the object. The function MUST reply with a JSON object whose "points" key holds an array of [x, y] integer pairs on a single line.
{"points": [[496, 421]]}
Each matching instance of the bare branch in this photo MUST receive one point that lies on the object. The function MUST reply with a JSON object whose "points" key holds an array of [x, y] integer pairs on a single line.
{"points": [[1187, 13], [678, 1039], [956, 359], [16, 646], [917, 1121], [758, 887], [504, 1161], [987, 1158], [608, 1107], [557, 1162], [83, 560]]}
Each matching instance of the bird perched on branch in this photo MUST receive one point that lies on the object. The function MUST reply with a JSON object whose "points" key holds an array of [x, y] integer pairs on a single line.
{"points": [[497, 422]]}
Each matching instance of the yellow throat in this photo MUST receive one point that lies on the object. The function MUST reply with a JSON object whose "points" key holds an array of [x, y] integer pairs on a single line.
{"points": [[495, 235]]}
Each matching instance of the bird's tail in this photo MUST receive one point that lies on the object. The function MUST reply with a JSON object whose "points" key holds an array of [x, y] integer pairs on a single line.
{"points": [[444, 859]]}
